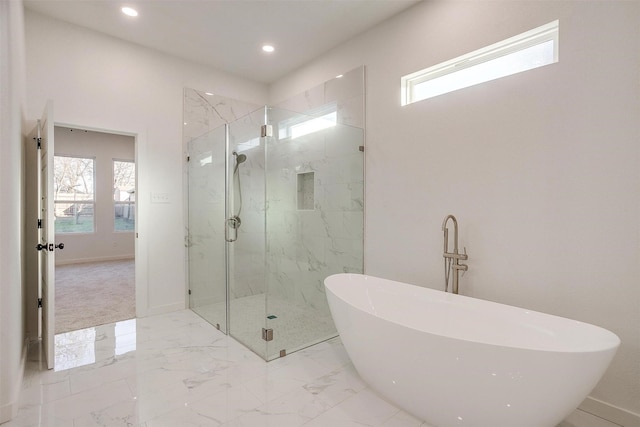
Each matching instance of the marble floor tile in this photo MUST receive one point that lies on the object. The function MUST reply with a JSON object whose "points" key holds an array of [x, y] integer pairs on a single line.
{"points": [[177, 370], [584, 419], [363, 409]]}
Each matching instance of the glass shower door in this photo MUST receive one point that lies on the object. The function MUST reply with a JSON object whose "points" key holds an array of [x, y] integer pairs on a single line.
{"points": [[246, 231], [314, 222], [206, 243]]}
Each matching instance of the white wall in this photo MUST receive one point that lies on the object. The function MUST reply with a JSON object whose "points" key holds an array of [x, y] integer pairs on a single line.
{"points": [[104, 243], [540, 168], [12, 329], [102, 83]]}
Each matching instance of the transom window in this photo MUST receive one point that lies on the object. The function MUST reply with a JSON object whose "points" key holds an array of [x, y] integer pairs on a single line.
{"points": [[526, 51]]}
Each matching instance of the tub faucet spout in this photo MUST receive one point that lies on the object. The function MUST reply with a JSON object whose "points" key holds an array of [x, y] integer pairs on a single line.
{"points": [[452, 259]]}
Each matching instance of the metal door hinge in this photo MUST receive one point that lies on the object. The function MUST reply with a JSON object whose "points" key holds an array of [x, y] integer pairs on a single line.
{"points": [[267, 334], [39, 302], [39, 223], [266, 130], [189, 291], [39, 141], [361, 148], [188, 158]]}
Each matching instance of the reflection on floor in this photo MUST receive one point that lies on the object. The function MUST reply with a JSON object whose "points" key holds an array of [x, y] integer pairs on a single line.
{"points": [[293, 327], [178, 370]]}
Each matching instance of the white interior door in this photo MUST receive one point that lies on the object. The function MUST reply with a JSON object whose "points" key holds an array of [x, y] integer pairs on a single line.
{"points": [[46, 232]]}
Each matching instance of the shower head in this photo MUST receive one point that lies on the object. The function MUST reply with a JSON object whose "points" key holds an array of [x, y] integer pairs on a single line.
{"points": [[240, 158]]}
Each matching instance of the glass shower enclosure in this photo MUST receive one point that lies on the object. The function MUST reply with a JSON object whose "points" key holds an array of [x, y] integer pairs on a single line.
{"points": [[275, 205]]}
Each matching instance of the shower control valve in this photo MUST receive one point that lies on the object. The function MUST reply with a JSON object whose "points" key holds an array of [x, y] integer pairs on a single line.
{"points": [[234, 222]]}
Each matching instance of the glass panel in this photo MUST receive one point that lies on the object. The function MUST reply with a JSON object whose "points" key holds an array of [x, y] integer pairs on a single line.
{"points": [[124, 217], [124, 195], [526, 51], [513, 63], [74, 217], [74, 194], [245, 210], [207, 268], [124, 180], [314, 223]]}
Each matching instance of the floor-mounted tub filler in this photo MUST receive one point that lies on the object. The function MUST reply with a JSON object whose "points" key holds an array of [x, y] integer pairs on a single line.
{"points": [[452, 360]]}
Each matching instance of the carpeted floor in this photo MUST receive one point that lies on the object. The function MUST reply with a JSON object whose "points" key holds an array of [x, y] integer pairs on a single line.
{"points": [[92, 294]]}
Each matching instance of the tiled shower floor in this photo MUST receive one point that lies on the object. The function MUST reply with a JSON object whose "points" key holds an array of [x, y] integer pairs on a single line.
{"points": [[293, 327], [177, 370]]}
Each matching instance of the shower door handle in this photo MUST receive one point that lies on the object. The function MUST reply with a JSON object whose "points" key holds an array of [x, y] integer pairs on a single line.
{"points": [[231, 223]]}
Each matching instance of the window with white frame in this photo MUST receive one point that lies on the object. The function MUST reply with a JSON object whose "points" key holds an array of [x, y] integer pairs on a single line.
{"points": [[74, 194], [124, 195], [526, 51]]}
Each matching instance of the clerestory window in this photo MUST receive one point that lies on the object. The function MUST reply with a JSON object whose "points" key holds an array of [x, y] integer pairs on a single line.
{"points": [[526, 51]]}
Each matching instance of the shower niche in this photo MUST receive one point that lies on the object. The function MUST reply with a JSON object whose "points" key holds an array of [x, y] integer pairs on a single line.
{"points": [[275, 205], [306, 191]]}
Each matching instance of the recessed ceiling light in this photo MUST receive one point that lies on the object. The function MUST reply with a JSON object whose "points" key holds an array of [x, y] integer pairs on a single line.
{"points": [[129, 11], [208, 93], [339, 76], [268, 48]]}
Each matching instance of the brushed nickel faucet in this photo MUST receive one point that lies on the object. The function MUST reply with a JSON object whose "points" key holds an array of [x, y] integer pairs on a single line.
{"points": [[452, 259]]}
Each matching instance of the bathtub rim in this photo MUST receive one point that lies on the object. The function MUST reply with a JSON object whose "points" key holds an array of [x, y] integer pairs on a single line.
{"points": [[609, 342]]}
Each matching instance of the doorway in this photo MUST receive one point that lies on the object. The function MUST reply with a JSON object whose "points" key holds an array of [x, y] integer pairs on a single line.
{"points": [[95, 215]]}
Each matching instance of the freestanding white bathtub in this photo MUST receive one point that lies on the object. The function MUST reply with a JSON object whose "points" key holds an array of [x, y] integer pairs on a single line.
{"points": [[452, 360]]}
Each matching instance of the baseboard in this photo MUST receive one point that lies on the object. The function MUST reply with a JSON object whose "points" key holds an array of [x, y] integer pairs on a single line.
{"points": [[98, 259], [610, 412], [9, 410], [163, 309]]}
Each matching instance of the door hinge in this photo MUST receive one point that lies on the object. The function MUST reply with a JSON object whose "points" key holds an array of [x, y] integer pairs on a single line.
{"points": [[39, 302], [39, 141], [267, 334], [188, 158], [266, 130], [39, 223], [189, 291]]}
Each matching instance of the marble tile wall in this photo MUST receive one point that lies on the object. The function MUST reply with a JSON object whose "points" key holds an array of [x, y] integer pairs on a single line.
{"points": [[305, 246], [346, 92], [204, 113], [247, 261]]}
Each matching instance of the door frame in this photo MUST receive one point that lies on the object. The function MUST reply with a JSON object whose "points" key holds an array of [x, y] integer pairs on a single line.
{"points": [[140, 250]]}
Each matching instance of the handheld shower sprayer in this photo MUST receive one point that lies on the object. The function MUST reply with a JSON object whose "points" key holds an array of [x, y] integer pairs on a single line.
{"points": [[235, 220], [240, 158]]}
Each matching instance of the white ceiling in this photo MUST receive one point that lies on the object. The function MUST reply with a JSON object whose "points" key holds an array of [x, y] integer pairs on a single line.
{"points": [[228, 34]]}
